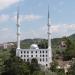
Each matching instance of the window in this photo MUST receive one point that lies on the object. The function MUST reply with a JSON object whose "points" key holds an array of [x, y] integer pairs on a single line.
{"points": [[27, 60], [43, 55], [24, 51], [46, 64], [24, 55], [40, 55], [27, 51], [31, 51], [46, 55], [40, 51], [31, 55], [21, 55], [36, 55], [21, 52], [36, 51], [46, 59], [46, 52], [40, 59], [43, 51], [27, 55], [43, 59]]}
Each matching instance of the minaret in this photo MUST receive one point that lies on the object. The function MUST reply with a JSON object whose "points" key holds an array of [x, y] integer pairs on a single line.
{"points": [[49, 38], [49, 34], [18, 30]]}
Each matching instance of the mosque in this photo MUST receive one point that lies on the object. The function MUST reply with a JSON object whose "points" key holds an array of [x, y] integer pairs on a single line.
{"points": [[44, 56]]}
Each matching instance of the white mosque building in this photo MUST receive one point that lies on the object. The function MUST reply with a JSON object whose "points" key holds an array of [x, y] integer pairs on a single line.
{"points": [[44, 56]]}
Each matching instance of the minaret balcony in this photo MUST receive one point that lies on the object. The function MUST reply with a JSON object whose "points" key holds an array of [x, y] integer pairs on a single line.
{"points": [[48, 32], [48, 25], [18, 25], [18, 33]]}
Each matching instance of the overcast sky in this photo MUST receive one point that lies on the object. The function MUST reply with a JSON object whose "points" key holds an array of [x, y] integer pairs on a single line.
{"points": [[33, 18]]}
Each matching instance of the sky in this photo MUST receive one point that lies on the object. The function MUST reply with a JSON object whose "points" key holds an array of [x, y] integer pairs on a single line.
{"points": [[34, 16]]}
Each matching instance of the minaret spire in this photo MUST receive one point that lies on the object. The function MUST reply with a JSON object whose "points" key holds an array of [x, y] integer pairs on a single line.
{"points": [[49, 33], [18, 29], [49, 37]]}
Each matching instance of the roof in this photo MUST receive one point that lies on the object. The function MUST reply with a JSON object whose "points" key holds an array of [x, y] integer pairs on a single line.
{"points": [[34, 46]]}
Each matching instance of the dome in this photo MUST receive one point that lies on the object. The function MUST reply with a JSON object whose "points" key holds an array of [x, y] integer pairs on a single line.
{"points": [[34, 46]]}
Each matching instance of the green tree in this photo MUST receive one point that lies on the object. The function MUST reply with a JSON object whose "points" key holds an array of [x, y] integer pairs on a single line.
{"points": [[43, 44], [69, 51], [34, 65], [15, 66], [71, 70], [54, 65]]}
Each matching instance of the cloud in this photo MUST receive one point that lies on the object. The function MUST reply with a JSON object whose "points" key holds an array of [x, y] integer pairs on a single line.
{"points": [[6, 3], [7, 35], [32, 17], [62, 27], [29, 17], [4, 29], [4, 17], [55, 29], [58, 30], [40, 32], [70, 26]]}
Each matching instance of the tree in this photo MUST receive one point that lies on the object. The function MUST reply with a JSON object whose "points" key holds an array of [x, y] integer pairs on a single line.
{"points": [[43, 44], [34, 65], [69, 51], [15, 66], [71, 70], [54, 65]]}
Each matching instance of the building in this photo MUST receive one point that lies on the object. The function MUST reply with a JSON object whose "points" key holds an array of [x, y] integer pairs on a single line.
{"points": [[44, 56], [7, 45]]}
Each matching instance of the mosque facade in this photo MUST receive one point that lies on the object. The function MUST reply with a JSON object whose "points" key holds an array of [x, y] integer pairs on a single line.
{"points": [[43, 56]]}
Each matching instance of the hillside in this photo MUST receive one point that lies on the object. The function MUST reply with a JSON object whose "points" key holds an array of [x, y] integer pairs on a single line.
{"points": [[27, 42], [72, 37], [55, 42]]}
